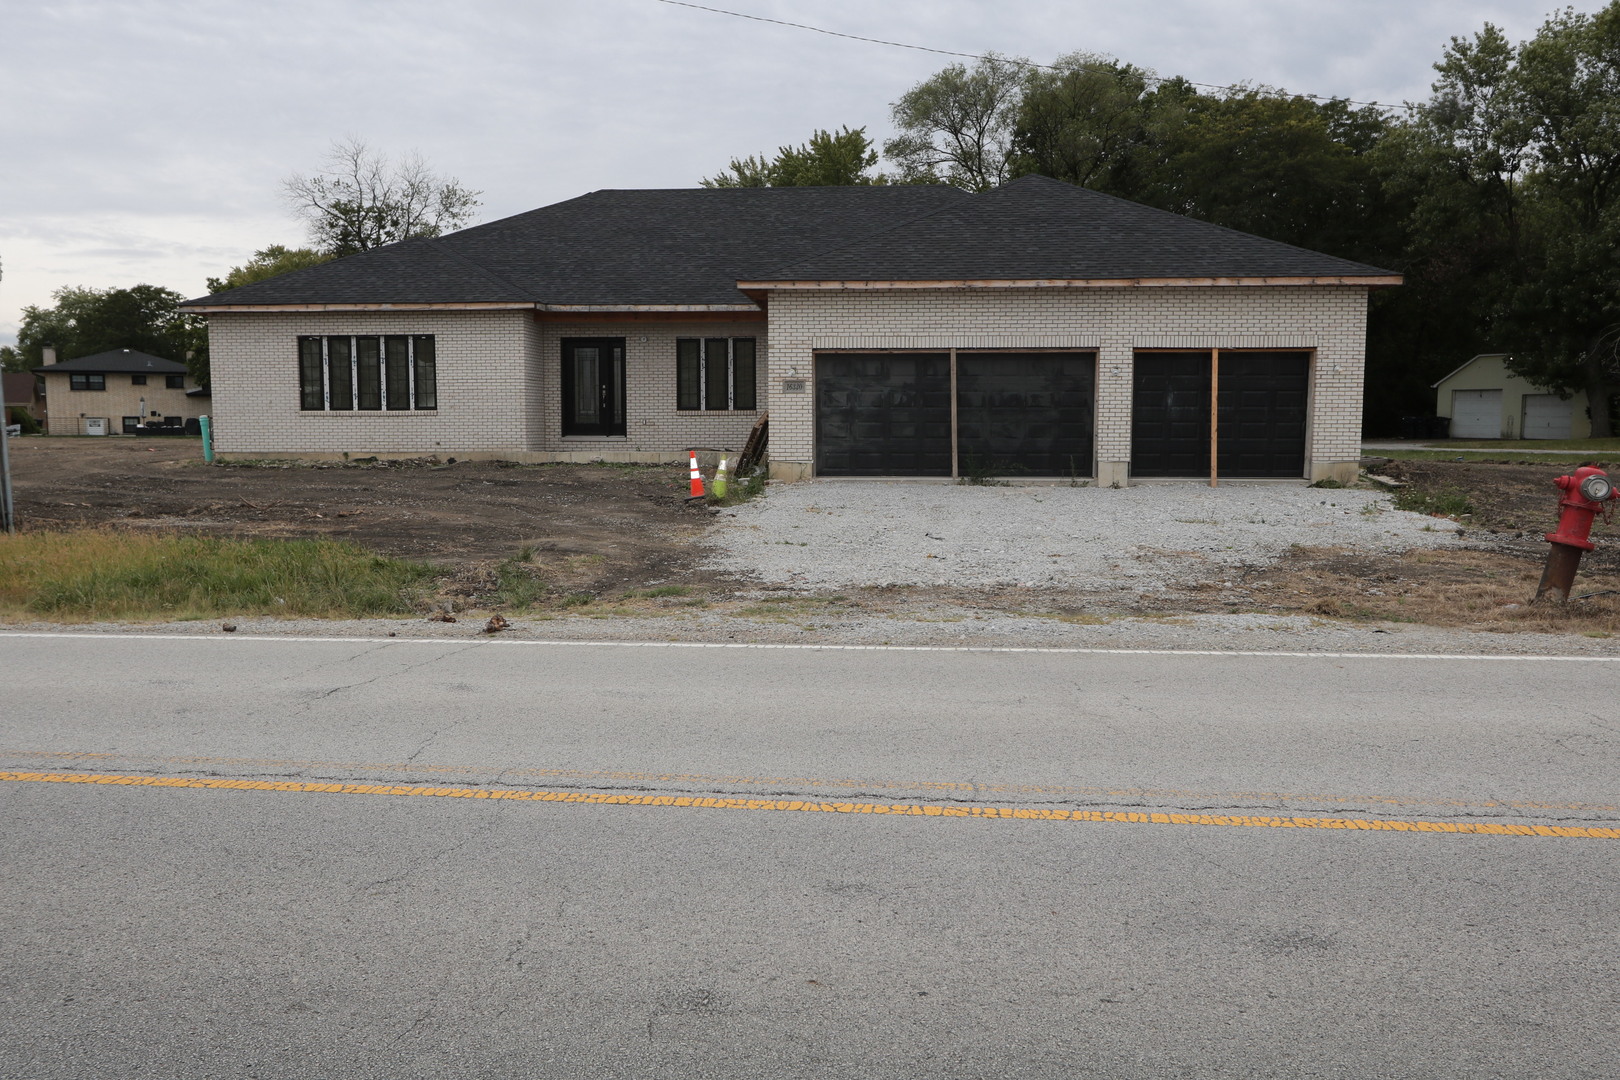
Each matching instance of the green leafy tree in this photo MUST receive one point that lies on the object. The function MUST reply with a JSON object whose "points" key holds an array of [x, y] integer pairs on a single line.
{"points": [[12, 359], [84, 322], [829, 159], [957, 126], [1096, 123], [1513, 167], [362, 199], [1566, 89], [269, 262]]}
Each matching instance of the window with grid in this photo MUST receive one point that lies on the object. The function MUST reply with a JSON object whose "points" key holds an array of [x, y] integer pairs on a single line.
{"points": [[389, 372], [715, 374]]}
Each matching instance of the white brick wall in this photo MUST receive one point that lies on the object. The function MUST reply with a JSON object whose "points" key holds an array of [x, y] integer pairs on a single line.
{"points": [[1330, 321], [499, 384], [652, 422]]}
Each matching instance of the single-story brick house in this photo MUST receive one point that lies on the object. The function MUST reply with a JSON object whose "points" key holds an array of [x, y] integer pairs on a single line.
{"points": [[1039, 329], [114, 392]]}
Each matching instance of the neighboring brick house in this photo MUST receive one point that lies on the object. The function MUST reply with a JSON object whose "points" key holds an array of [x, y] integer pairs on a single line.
{"points": [[112, 392], [1035, 330]]}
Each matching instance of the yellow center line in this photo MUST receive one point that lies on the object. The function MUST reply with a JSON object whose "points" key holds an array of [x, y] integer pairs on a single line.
{"points": [[935, 788], [706, 802]]}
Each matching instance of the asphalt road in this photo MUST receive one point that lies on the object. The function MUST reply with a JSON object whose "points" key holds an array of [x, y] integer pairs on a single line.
{"points": [[801, 863]]}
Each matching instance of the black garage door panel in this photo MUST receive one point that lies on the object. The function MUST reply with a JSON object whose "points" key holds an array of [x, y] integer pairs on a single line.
{"points": [[1025, 414], [883, 414], [1264, 398], [1170, 415]]}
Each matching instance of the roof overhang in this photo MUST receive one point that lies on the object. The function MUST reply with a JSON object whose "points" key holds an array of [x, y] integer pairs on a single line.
{"points": [[1364, 281], [1458, 369], [563, 309], [210, 309]]}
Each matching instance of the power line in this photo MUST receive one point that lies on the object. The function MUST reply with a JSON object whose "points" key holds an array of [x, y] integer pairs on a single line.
{"points": [[1002, 59]]}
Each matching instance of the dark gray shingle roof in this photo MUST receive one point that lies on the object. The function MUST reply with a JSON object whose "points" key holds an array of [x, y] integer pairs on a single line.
{"points": [[692, 246], [678, 246], [116, 362], [1036, 228]]}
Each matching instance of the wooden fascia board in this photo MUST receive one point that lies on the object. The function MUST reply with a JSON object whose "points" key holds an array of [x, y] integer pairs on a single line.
{"points": [[1367, 281], [210, 309], [593, 308], [729, 315], [549, 309]]}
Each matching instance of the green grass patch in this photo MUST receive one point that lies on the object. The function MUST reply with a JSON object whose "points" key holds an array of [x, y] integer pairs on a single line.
{"points": [[658, 592], [739, 491], [1448, 502], [99, 574], [518, 585]]}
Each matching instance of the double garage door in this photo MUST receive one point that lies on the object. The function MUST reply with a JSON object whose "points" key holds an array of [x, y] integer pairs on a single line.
{"points": [[1017, 414], [1261, 411], [1033, 414]]}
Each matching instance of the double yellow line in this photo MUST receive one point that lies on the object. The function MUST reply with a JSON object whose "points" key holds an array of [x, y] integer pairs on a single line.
{"points": [[811, 806]]}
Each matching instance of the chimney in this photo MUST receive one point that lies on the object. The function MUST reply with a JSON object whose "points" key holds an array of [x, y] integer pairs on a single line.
{"points": [[47, 354]]}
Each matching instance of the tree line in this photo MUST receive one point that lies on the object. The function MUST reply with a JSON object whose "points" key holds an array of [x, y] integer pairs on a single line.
{"points": [[1498, 197]]}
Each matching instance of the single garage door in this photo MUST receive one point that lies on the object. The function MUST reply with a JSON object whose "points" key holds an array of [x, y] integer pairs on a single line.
{"points": [[1018, 413], [1476, 414], [1025, 414], [1264, 403], [883, 414], [1547, 416]]}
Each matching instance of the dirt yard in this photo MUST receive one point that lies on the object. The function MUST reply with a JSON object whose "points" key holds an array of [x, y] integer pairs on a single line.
{"points": [[589, 529], [595, 536]]}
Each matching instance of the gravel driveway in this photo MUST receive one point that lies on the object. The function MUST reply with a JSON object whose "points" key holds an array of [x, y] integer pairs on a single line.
{"points": [[832, 533]]}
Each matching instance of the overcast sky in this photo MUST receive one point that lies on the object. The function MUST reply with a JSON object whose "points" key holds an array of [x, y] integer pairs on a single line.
{"points": [[145, 140]]}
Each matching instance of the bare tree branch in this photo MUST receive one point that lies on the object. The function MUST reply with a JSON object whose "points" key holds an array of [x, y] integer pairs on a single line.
{"points": [[361, 199]]}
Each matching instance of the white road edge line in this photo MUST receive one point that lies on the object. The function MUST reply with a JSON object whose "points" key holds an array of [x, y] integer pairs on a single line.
{"points": [[807, 647]]}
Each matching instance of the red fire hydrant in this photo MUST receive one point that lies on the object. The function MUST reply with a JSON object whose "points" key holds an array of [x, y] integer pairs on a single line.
{"points": [[1586, 494]]}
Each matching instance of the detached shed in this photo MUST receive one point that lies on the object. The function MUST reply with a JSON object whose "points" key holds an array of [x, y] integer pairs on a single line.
{"points": [[1485, 400]]}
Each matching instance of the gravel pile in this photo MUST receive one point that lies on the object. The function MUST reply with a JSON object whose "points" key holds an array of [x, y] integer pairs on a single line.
{"points": [[830, 534]]}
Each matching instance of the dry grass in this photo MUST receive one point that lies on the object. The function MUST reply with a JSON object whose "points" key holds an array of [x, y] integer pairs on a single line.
{"points": [[1465, 589], [98, 574]]}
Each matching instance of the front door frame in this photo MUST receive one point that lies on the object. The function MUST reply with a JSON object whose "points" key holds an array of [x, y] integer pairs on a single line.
{"points": [[609, 399]]}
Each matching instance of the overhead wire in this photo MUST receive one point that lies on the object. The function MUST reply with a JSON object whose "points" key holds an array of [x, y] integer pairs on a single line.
{"points": [[1013, 60]]}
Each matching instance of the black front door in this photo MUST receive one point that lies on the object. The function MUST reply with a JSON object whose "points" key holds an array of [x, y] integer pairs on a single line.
{"points": [[593, 386]]}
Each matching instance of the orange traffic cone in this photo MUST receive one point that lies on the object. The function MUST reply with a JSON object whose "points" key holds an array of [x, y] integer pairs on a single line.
{"points": [[697, 479]]}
